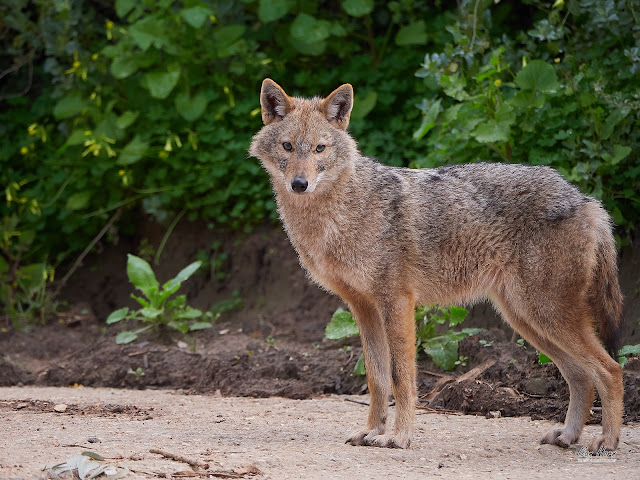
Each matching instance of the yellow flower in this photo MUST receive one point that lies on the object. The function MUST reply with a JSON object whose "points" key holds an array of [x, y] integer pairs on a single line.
{"points": [[94, 57], [76, 64], [557, 59], [497, 83], [110, 24], [121, 172], [24, 150], [163, 154]]}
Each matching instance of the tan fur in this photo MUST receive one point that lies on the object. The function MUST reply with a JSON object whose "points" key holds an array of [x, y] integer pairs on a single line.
{"points": [[385, 239]]}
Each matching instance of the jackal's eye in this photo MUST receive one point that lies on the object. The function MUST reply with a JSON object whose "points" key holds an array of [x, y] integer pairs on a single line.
{"points": [[287, 146], [319, 148]]}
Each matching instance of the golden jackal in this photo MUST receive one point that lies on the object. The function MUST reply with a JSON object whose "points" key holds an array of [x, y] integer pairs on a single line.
{"points": [[385, 238]]}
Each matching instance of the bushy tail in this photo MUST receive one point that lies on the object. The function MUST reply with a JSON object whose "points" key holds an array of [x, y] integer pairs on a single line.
{"points": [[606, 296]]}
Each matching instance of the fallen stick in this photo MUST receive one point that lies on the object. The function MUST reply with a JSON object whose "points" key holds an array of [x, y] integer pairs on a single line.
{"points": [[181, 458]]}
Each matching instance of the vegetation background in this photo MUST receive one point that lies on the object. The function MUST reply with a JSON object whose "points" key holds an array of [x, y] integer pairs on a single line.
{"points": [[113, 110]]}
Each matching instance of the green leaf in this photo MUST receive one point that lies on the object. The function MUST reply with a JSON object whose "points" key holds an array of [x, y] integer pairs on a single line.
{"points": [[428, 120], [140, 274], [32, 277], [200, 326], [620, 152], [629, 350], [117, 315], [78, 201], [125, 337], [183, 275], [76, 138], [308, 29], [542, 358], [124, 66], [342, 325], [149, 31], [457, 315], [68, 106], [151, 313], [124, 6], [160, 84], [126, 119], [196, 16], [413, 34], [538, 76], [443, 351], [228, 34], [359, 368], [272, 10], [188, 313], [362, 106], [357, 8], [491, 132], [132, 151], [191, 108]]}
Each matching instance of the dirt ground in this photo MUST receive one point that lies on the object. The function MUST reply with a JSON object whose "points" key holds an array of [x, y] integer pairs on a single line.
{"points": [[276, 438], [261, 388]]}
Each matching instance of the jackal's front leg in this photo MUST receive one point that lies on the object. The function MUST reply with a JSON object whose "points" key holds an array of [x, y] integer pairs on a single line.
{"points": [[377, 362]]}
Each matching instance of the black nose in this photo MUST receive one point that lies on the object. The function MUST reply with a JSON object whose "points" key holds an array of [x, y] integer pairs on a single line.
{"points": [[299, 184]]}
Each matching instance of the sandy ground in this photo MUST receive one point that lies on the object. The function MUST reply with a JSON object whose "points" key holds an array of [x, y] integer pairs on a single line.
{"points": [[276, 438]]}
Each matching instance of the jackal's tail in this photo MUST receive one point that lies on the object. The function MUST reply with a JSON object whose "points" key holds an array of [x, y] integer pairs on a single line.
{"points": [[606, 296]]}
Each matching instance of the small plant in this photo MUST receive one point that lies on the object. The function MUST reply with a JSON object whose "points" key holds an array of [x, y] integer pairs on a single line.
{"points": [[484, 343], [157, 306], [521, 344], [138, 372], [462, 360], [442, 348], [234, 302], [627, 351], [542, 358]]}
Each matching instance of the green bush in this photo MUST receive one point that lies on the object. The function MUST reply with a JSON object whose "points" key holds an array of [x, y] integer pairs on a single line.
{"points": [[149, 106], [563, 92]]}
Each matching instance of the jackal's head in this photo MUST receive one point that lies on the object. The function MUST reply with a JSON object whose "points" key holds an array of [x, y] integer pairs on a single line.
{"points": [[304, 143]]}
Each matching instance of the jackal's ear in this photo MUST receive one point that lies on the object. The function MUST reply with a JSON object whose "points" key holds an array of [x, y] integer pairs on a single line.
{"points": [[274, 101], [337, 106]]}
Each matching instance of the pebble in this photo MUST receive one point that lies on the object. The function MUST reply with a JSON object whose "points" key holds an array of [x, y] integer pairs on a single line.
{"points": [[60, 408]]}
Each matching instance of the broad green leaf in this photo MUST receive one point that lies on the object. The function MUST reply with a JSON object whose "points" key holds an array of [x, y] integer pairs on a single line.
{"points": [[413, 34], [190, 108], [357, 8], [200, 326], [308, 29], [160, 84], [363, 105], [342, 325], [32, 277], [117, 315], [228, 34], [179, 325], [76, 138], [188, 313], [141, 301], [124, 6], [78, 201], [542, 358], [272, 10], [620, 152], [124, 66], [68, 106], [125, 337], [140, 274], [151, 313], [537, 76], [132, 151], [457, 315], [196, 16], [443, 351], [629, 350], [149, 31], [126, 119], [359, 368], [183, 275], [491, 132]]}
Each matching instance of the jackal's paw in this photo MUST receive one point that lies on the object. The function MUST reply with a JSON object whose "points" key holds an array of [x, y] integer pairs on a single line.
{"points": [[602, 441], [561, 437], [371, 438]]}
